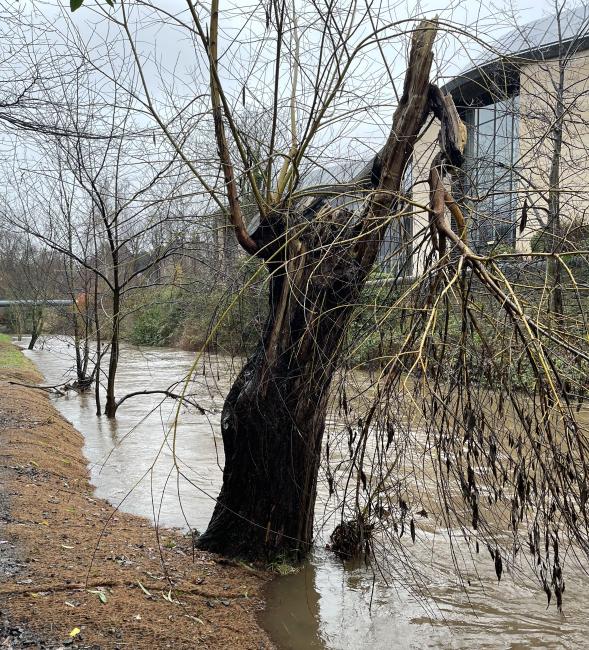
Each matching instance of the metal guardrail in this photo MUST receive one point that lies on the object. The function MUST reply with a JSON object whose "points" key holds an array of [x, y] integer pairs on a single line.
{"points": [[32, 303]]}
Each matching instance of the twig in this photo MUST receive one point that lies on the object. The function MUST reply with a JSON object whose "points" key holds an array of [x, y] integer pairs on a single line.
{"points": [[167, 393]]}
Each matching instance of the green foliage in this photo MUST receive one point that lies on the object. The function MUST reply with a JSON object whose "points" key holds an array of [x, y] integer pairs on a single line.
{"points": [[157, 323], [282, 568], [76, 4], [574, 236], [375, 330], [216, 318], [500, 249], [225, 321]]}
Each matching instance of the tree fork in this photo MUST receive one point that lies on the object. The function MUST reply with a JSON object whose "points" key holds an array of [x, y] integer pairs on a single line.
{"points": [[274, 415]]}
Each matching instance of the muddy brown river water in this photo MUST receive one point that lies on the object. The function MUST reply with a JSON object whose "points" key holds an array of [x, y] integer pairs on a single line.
{"points": [[326, 605]]}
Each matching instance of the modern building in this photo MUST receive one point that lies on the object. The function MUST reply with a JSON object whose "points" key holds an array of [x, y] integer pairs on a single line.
{"points": [[517, 104], [530, 90]]}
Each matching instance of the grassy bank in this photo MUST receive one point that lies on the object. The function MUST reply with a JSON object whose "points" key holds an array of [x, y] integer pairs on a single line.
{"points": [[13, 363], [11, 357]]}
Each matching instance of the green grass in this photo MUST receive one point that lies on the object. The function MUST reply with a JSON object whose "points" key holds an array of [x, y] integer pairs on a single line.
{"points": [[11, 357]]}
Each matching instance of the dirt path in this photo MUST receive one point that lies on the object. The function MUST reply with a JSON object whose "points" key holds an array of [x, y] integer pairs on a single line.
{"points": [[74, 573]]}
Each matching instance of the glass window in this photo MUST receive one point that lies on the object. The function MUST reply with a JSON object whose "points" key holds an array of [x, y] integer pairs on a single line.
{"points": [[490, 180]]}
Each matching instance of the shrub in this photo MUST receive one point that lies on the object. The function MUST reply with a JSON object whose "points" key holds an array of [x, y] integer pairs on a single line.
{"points": [[157, 323]]}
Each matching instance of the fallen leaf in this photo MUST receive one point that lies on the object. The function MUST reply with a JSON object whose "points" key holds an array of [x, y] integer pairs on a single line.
{"points": [[143, 589], [101, 595], [75, 632]]}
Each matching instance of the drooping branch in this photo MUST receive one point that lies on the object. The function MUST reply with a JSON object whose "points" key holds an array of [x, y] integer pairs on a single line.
{"points": [[452, 140]]}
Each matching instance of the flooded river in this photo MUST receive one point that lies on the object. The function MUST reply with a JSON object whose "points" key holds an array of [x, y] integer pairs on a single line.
{"points": [[325, 605]]}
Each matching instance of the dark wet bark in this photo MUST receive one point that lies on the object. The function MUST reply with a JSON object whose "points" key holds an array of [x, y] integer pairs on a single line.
{"points": [[274, 416], [110, 407], [36, 326], [98, 349]]}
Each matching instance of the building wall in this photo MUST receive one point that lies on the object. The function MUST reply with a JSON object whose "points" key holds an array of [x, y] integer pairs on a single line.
{"points": [[424, 152], [538, 102]]}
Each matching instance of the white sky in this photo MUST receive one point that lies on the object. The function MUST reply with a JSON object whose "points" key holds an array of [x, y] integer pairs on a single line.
{"points": [[171, 60]]}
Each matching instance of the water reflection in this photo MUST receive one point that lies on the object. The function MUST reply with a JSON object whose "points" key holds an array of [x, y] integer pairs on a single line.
{"points": [[131, 458], [336, 607]]}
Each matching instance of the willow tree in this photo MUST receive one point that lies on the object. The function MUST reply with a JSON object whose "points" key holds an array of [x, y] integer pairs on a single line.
{"points": [[493, 441], [319, 257], [318, 252]]}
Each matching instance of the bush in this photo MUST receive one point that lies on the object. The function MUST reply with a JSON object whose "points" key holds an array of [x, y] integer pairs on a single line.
{"points": [[220, 319], [375, 330], [157, 324], [224, 321]]}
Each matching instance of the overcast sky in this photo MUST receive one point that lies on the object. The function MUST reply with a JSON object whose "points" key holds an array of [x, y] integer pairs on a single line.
{"points": [[171, 59]]}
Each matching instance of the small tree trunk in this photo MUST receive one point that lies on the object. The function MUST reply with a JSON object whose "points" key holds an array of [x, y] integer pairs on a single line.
{"points": [[36, 327], [554, 216], [17, 320], [98, 349], [110, 407], [34, 337], [79, 371]]}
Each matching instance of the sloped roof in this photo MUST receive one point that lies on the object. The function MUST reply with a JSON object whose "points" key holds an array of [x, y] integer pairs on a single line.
{"points": [[543, 33], [533, 41]]}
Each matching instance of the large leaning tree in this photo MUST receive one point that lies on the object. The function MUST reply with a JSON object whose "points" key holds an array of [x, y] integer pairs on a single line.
{"points": [[319, 257], [476, 416], [318, 253]]}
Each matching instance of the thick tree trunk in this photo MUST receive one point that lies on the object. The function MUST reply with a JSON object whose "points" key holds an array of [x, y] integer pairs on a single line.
{"points": [[274, 416]]}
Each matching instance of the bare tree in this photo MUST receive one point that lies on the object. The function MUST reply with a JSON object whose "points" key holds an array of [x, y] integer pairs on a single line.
{"points": [[318, 254], [104, 199], [28, 273], [470, 411]]}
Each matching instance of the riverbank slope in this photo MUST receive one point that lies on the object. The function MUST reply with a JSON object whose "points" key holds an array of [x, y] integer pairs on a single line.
{"points": [[74, 572]]}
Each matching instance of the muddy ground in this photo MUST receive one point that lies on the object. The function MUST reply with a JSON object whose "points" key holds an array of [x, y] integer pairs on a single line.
{"points": [[74, 573]]}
